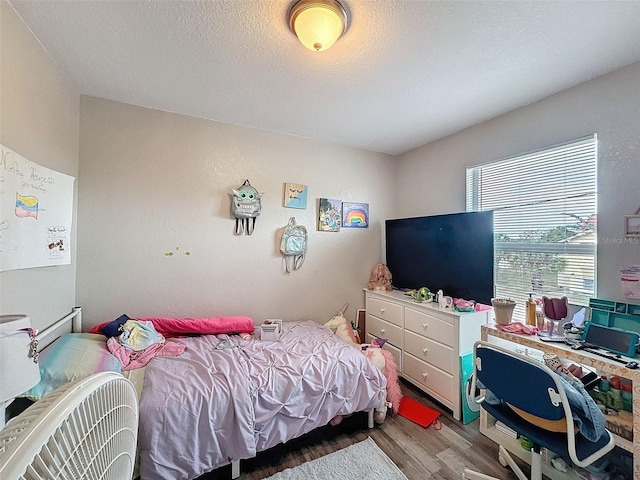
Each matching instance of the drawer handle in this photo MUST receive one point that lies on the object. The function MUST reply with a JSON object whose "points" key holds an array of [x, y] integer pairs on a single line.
{"points": [[424, 375], [425, 325], [425, 350], [382, 310], [382, 330]]}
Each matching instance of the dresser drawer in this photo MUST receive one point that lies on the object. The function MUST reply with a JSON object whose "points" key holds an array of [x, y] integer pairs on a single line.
{"points": [[391, 312], [429, 377], [430, 326], [429, 351], [396, 352], [383, 329]]}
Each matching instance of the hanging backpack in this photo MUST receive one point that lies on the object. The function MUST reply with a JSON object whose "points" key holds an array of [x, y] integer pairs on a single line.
{"points": [[293, 245]]}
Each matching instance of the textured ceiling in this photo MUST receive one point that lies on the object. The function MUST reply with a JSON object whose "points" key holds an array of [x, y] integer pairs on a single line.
{"points": [[405, 73]]}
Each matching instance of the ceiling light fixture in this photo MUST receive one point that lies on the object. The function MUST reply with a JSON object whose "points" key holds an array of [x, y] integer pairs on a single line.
{"points": [[318, 24]]}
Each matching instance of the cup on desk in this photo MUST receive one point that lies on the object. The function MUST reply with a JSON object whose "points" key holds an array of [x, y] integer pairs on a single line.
{"points": [[503, 309]]}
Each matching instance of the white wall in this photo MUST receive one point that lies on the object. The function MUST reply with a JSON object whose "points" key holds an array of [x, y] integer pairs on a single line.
{"points": [[39, 118], [431, 179], [149, 182], [152, 182]]}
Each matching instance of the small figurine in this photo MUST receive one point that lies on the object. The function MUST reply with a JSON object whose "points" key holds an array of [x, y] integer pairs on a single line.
{"points": [[380, 278], [421, 295]]}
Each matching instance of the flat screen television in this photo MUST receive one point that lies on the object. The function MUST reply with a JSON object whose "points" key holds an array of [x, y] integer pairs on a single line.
{"points": [[452, 253]]}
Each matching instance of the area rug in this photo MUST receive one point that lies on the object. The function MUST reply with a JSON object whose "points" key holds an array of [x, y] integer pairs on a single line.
{"points": [[363, 460]]}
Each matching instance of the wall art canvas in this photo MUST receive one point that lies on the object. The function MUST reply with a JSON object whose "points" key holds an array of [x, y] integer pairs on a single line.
{"points": [[329, 215], [295, 195], [355, 215]]}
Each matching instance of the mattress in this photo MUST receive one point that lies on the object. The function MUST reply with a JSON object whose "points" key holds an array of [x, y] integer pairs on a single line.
{"points": [[226, 398]]}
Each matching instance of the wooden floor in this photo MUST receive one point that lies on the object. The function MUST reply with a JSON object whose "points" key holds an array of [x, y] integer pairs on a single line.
{"points": [[421, 453]]}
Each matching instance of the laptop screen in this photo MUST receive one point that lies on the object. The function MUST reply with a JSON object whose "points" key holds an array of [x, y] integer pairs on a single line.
{"points": [[615, 340]]}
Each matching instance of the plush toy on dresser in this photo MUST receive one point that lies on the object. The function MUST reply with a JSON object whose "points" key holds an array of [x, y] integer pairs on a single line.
{"points": [[380, 358], [380, 278]]}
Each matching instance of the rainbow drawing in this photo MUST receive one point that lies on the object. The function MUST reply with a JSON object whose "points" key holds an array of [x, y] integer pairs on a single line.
{"points": [[355, 215], [26, 206]]}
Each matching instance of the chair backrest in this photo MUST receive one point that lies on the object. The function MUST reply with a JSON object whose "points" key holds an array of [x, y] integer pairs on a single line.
{"points": [[535, 389], [521, 382], [555, 308]]}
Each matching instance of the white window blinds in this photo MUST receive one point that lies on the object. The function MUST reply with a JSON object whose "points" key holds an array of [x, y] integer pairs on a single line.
{"points": [[544, 207]]}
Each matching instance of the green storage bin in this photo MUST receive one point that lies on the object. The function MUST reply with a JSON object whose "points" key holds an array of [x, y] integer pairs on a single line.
{"points": [[470, 409]]}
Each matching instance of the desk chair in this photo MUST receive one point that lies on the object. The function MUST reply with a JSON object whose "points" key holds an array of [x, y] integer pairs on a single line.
{"points": [[556, 310], [535, 390]]}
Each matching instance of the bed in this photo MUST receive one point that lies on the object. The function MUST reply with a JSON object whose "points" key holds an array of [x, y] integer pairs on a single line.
{"points": [[228, 396]]}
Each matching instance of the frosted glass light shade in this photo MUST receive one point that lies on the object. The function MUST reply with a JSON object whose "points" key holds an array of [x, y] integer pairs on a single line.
{"points": [[318, 24]]}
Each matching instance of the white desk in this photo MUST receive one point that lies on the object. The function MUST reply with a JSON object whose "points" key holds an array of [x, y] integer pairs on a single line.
{"points": [[596, 362]]}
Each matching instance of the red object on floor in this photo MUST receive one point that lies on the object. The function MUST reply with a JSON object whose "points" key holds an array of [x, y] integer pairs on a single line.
{"points": [[419, 413]]}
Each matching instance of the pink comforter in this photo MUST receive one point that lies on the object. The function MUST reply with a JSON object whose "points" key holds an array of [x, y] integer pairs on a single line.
{"points": [[226, 398]]}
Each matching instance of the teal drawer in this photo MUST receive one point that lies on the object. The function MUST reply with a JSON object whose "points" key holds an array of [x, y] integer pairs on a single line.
{"points": [[602, 304], [624, 321], [600, 317], [633, 309]]}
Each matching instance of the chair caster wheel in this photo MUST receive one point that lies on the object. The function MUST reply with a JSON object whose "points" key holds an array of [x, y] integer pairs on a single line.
{"points": [[502, 461]]}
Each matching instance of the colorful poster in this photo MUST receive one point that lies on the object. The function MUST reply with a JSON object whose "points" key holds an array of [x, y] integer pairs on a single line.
{"points": [[295, 195], [36, 210], [329, 215], [355, 215]]}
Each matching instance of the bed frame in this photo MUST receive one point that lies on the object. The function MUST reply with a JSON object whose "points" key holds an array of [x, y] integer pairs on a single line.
{"points": [[72, 323]]}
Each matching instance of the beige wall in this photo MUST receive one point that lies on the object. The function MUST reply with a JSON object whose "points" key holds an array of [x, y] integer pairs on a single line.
{"points": [[39, 117], [431, 179], [152, 182]]}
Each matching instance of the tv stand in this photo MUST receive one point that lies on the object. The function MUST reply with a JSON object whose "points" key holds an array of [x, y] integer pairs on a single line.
{"points": [[426, 341]]}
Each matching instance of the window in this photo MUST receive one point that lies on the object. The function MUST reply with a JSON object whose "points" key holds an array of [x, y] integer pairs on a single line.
{"points": [[544, 206]]}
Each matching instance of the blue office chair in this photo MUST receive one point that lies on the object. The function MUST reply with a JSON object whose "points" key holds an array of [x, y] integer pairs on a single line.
{"points": [[519, 382]]}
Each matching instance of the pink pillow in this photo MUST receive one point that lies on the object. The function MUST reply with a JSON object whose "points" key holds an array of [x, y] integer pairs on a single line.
{"points": [[211, 326], [170, 327]]}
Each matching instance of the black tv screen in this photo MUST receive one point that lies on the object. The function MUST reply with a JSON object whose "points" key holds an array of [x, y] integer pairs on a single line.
{"points": [[452, 253]]}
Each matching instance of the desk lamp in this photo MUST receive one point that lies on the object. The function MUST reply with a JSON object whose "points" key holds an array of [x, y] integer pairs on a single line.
{"points": [[19, 369]]}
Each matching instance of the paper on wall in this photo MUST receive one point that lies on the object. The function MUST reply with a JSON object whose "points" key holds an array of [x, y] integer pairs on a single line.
{"points": [[630, 281], [36, 210]]}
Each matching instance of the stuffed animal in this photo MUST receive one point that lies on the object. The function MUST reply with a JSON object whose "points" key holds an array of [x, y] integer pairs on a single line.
{"points": [[380, 278], [421, 295], [342, 327], [382, 359]]}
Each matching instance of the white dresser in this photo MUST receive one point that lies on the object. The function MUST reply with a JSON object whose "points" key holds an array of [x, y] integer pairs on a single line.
{"points": [[426, 341]]}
